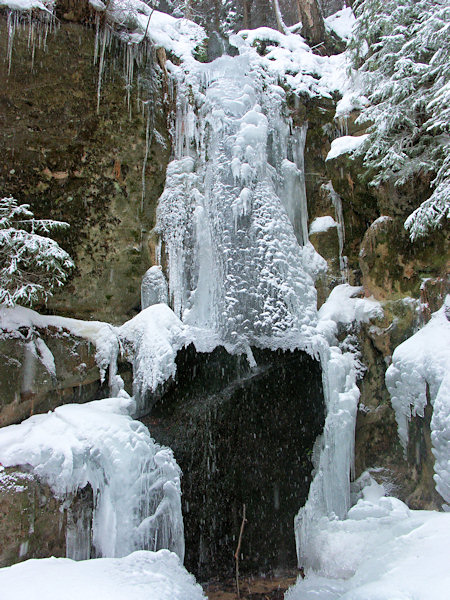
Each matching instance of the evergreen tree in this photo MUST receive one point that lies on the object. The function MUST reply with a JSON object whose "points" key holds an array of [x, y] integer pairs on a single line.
{"points": [[31, 265], [402, 50]]}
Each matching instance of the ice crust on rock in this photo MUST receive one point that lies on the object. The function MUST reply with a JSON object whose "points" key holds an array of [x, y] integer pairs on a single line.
{"points": [[333, 455], [142, 575], [421, 367], [135, 482], [151, 341]]}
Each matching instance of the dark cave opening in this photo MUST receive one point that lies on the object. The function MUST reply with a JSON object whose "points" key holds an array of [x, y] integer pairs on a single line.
{"points": [[241, 436]]}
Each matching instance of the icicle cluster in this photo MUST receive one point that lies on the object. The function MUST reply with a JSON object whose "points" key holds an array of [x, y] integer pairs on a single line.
{"points": [[135, 482]]}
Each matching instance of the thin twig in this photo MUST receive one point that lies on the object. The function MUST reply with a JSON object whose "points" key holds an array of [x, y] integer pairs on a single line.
{"points": [[238, 549]]}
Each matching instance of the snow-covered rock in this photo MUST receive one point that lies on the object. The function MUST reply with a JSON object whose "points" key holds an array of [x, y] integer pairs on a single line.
{"points": [[420, 369], [135, 482]]}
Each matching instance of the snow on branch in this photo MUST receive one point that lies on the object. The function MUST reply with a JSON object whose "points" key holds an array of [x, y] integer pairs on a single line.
{"points": [[31, 265]]}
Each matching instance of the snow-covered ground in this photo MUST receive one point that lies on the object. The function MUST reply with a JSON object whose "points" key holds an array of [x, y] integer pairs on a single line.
{"points": [[381, 551], [140, 576]]}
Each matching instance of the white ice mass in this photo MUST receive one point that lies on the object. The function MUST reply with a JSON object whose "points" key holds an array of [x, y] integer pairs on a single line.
{"points": [[420, 369], [136, 482]]}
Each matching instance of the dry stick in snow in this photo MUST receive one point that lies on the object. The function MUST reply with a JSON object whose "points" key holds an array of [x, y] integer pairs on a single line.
{"points": [[238, 549]]}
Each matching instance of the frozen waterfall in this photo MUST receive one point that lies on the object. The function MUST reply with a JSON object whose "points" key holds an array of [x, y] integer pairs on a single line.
{"points": [[233, 216]]}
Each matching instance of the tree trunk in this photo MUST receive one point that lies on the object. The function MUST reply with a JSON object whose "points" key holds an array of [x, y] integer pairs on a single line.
{"points": [[313, 26], [281, 26]]}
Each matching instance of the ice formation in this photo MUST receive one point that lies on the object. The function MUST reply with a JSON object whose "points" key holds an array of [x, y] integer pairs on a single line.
{"points": [[150, 340], [333, 456], [154, 288], [420, 370], [140, 576], [233, 214], [135, 482]]}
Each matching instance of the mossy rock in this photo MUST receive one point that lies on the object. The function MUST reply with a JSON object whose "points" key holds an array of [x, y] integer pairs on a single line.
{"points": [[34, 522], [394, 267]]}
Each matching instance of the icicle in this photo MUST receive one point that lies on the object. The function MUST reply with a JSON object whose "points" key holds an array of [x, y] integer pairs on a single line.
{"points": [[12, 22], [101, 66], [148, 140], [337, 204]]}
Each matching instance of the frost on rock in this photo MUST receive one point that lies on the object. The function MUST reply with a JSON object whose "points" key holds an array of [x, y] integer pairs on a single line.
{"points": [[140, 576], [233, 213], [135, 482], [420, 370]]}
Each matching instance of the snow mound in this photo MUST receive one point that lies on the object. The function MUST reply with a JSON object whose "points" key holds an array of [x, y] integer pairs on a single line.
{"points": [[419, 366], [136, 482], [345, 144], [343, 306], [139, 576], [341, 23], [381, 551], [321, 224]]}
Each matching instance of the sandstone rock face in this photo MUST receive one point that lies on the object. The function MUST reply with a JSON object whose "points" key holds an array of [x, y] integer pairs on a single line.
{"points": [[410, 279], [34, 523], [30, 383], [88, 168], [393, 267]]}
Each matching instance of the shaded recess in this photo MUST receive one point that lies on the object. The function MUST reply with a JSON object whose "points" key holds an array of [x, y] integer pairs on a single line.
{"points": [[241, 436]]}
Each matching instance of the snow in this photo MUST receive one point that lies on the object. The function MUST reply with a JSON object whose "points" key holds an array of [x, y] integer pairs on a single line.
{"points": [[344, 306], [151, 341], [381, 551], [23, 5], [135, 482], [140, 576], [421, 366], [345, 144], [292, 60], [321, 224], [341, 23]]}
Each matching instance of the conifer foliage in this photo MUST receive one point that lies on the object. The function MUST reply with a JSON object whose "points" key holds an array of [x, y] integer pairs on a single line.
{"points": [[402, 50], [31, 264]]}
